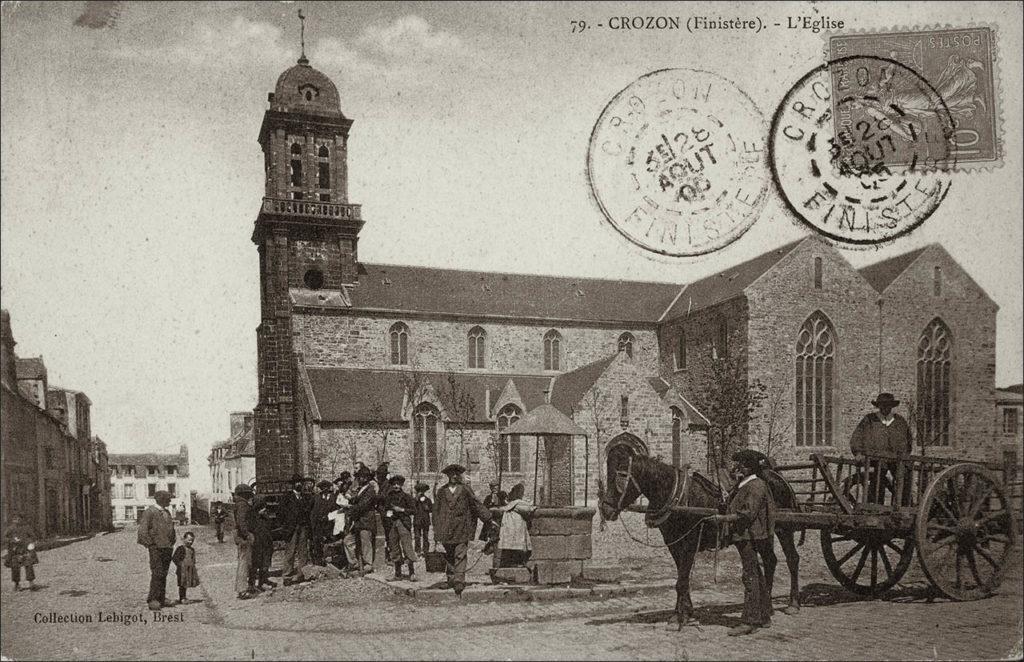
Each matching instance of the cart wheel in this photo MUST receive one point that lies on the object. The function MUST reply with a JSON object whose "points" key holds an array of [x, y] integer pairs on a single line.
{"points": [[965, 532], [867, 562]]}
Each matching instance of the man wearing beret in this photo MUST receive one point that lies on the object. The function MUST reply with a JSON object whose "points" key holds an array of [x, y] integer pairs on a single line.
{"points": [[156, 534], [362, 517], [883, 432], [751, 514], [295, 508], [245, 538], [319, 526], [456, 510]]}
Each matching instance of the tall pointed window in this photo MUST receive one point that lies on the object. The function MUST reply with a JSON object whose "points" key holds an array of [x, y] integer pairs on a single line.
{"points": [[817, 273], [720, 345], [399, 344], [681, 350], [677, 437], [426, 430], [626, 341], [815, 355], [937, 281], [509, 451], [934, 368], [552, 350], [477, 342]]}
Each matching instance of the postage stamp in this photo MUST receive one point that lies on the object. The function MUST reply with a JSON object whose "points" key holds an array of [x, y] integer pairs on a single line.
{"points": [[676, 162], [959, 64], [858, 158]]}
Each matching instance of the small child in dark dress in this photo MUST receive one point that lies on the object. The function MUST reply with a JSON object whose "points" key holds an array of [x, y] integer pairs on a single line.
{"points": [[185, 561]]}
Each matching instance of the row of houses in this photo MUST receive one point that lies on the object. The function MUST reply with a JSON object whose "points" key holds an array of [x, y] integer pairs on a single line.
{"points": [[233, 460], [135, 478], [55, 473]]}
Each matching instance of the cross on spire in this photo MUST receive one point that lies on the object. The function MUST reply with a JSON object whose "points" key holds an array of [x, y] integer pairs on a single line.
{"points": [[302, 38]]}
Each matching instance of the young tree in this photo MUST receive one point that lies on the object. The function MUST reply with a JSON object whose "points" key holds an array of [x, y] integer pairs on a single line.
{"points": [[382, 428], [730, 401], [460, 406], [492, 448], [778, 424]]}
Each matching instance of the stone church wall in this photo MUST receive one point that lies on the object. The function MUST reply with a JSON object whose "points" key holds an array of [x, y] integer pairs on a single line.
{"points": [[363, 341]]}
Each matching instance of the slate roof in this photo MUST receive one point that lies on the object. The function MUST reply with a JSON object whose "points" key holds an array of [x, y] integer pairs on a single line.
{"points": [[882, 274], [478, 293], [149, 459], [727, 283], [569, 388], [1007, 396], [31, 368], [350, 395]]}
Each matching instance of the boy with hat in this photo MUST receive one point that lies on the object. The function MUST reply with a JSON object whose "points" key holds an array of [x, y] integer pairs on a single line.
{"points": [[456, 510], [884, 432], [421, 519], [751, 514], [398, 511]]}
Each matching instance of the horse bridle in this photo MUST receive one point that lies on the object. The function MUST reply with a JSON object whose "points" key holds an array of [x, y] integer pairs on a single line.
{"points": [[652, 518], [626, 477]]}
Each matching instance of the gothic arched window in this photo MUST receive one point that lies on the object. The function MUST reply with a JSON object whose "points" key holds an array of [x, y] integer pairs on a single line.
{"points": [[934, 368], [552, 350], [426, 429], [815, 355], [677, 437], [509, 450], [399, 334], [477, 340], [626, 341]]}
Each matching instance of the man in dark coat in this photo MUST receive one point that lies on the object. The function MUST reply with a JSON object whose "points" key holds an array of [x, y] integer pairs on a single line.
{"points": [[884, 432], [362, 517], [219, 515], [319, 526], [244, 539], [294, 508], [156, 534], [456, 510], [751, 515], [262, 547], [399, 508]]}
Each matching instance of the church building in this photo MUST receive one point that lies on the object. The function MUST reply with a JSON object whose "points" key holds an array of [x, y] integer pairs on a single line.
{"points": [[426, 366]]}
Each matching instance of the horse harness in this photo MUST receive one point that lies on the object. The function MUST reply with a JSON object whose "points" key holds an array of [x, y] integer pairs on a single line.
{"points": [[654, 519]]}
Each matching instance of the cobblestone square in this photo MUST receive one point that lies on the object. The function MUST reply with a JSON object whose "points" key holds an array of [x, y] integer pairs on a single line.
{"points": [[105, 577]]}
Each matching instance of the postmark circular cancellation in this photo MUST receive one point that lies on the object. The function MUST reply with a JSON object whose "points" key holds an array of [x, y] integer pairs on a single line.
{"points": [[677, 163], [861, 148]]}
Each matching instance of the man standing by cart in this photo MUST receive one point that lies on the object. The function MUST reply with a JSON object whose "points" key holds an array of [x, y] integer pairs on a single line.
{"points": [[751, 515]]}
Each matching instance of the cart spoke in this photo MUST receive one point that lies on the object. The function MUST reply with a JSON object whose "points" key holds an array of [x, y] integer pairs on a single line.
{"points": [[885, 561], [874, 566], [954, 493], [943, 542], [997, 537], [949, 513], [974, 570], [979, 504], [860, 565], [993, 516], [846, 556], [891, 545], [985, 555], [957, 565]]}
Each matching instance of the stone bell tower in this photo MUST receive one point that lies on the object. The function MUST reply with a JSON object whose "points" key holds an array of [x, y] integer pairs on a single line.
{"points": [[306, 234]]}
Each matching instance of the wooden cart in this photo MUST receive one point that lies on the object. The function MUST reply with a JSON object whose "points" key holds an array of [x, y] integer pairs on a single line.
{"points": [[873, 512]]}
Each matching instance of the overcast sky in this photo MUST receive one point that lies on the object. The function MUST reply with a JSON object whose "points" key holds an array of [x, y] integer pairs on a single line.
{"points": [[131, 175]]}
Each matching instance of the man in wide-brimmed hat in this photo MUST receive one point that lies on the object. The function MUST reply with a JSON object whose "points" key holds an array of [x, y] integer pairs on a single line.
{"points": [[295, 509], [751, 516], [362, 516], [319, 526], [883, 432], [456, 510]]}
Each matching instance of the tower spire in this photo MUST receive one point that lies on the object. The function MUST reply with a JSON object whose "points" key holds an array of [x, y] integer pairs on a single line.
{"points": [[302, 38]]}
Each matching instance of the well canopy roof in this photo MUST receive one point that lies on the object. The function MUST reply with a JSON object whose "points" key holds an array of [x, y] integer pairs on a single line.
{"points": [[544, 419]]}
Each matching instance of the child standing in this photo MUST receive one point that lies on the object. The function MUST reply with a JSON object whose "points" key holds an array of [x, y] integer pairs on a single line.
{"points": [[421, 520], [185, 561], [399, 508], [21, 552]]}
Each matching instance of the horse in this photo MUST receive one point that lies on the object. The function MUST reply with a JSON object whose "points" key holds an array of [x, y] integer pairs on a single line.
{"points": [[631, 474]]}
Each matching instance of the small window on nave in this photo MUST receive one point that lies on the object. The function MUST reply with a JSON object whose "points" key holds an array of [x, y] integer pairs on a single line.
{"points": [[477, 344], [552, 350], [399, 335]]}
